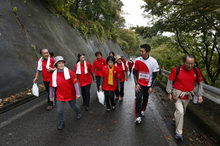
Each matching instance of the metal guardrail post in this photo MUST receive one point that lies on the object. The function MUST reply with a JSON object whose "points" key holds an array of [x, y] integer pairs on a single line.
{"points": [[210, 92]]}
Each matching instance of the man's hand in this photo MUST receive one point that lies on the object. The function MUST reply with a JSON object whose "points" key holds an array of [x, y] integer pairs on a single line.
{"points": [[170, 97], [137, 88], [200, 100], [77, 97], [150, 90], [52, 99], [94, 81], [35, 80], [126, 79]]}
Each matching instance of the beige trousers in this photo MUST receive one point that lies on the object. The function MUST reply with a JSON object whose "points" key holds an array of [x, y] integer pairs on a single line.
{"points": [[179, 114]]}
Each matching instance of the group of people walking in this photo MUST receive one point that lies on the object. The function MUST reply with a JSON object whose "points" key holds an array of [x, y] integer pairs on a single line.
{"points": [[110, 76], [63, 83]]}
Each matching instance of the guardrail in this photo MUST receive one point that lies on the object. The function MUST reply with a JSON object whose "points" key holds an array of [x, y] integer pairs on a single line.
{"points": [[210, 92]]}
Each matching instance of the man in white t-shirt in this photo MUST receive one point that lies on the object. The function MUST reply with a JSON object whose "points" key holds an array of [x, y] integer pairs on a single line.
{"points": [[145, 75]]}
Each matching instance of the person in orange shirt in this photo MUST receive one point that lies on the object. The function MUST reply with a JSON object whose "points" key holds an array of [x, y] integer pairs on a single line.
{"points": [[83, 71], [45, 66], [98, 63], [122, 70], [109, 80]]}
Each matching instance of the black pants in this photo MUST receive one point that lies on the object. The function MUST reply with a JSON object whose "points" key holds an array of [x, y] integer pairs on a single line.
{"points": [[98, 78], [109, 95], [140, 104], [86, 94], [46, 84], [121, 92], [130, 69]]}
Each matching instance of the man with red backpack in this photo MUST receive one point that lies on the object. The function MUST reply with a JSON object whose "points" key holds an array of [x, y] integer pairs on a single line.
{"points": [[183, 85]]}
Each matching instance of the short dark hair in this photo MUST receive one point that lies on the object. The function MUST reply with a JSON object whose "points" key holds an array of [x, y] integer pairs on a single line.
{"points": [[97, 53], [112, 53], [189, 56], [146, 47], [51, 53], [42, 50], [110, 58]]}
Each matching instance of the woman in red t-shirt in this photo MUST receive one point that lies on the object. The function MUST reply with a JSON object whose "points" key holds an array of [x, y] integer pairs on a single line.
{"points": [[83, 71], [122, 70], [98, 63], [67, 89], [109, 80]]}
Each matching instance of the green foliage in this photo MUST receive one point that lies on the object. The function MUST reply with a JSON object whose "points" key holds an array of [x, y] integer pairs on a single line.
{"points": [[97, 18], [128, 41], [14, 9], [90, 17], [196, 27], [165, 51]]}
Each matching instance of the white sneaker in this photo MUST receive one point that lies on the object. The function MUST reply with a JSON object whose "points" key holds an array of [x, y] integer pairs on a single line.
{"points": [[138, 120], [142, 113]]}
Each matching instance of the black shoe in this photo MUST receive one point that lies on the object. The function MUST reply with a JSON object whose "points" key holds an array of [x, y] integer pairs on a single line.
{"points": [[179, 137], [49, 107], [61, 125], [79, 116], [173, 122], [87, 108]]}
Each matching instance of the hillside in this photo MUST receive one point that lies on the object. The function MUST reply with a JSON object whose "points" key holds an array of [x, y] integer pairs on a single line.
{"points": [[23, 32]]}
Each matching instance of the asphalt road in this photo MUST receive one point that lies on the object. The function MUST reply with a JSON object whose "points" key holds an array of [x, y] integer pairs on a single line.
{"points": [[30, 124]]}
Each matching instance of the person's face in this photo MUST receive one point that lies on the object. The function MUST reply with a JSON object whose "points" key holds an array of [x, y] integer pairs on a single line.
{"points": [[60, 65], [111, 54], [99, 57], [82, 58], [45, 53], [188, 65], [122, 57], [119, 61], [110, 63], [143, 53]]}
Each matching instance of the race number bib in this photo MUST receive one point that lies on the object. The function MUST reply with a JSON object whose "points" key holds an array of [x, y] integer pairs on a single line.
{"points": [[145, 76]]}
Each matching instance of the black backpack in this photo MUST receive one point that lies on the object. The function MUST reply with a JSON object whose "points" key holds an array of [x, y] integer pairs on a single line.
{"points": [[178, 71]]}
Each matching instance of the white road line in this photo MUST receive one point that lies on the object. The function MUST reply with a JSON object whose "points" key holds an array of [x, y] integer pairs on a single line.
{"points": [[3, 124]]}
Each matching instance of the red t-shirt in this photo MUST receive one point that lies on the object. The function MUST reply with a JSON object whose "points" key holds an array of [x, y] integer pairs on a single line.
{"points": [[46, 75], [145, 69], [97, 66], [84, 79], [65, 90], [185, 80], [130, 64], [121, 72], [105, 73], [124, 61]]}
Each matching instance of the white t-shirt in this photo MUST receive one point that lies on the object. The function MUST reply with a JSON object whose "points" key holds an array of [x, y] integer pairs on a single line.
{"points": [[145, 69]]}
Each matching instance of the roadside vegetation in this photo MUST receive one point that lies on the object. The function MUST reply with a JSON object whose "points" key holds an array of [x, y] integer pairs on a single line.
{"points": [[195, 25], [100, 18]]}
